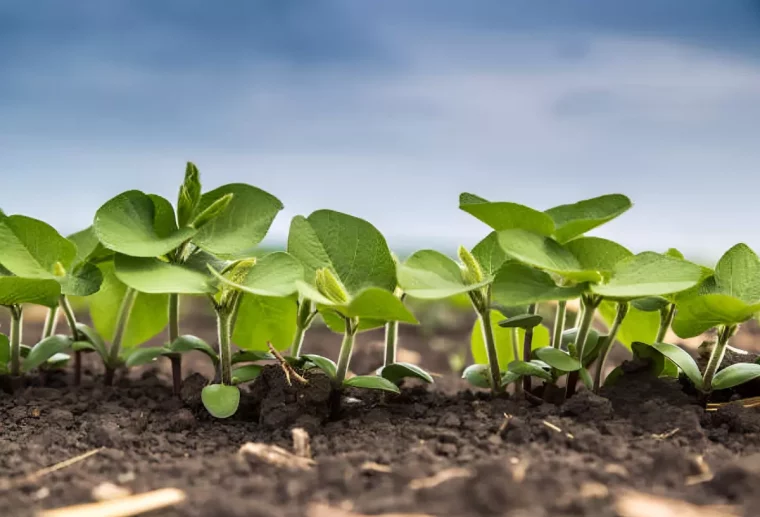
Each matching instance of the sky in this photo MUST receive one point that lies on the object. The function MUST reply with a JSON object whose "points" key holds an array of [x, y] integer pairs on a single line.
{"points": [[389, 109]]}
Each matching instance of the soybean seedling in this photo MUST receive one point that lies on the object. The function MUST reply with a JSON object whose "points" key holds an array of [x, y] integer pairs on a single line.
{"points": [[725, 300], [350, 275], [159, 251]]}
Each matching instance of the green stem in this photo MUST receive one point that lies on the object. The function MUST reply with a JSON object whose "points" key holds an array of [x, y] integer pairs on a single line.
{"points": [[528, 348], [17, 319], [559, 324], [224, 328], [666, 319], [344, 358], [306, 314], [127, 303], [589, 303], [68, 312], [391, 340], [516, 354], [493, 359], [175, 359], [51, 322], [716, 356], [606, 347]]}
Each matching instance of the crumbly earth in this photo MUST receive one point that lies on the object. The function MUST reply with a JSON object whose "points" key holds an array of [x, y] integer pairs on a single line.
{"points": [[443, 450]]}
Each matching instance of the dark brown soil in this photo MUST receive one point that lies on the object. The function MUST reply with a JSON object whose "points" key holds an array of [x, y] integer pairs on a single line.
{"points": [[501, 457]]}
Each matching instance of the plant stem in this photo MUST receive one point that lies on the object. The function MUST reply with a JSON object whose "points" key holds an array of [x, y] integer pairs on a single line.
{"points": [[493, 359], [559, 324], [51, 322], [589, 304], [604, 352], [666, 319], [344, 358], [127, 303], [176, 359], [528, 348], [516, 353], [391, 339], [68, 312], [306, 314], [716, 356], [224, 329], [17, 319]]}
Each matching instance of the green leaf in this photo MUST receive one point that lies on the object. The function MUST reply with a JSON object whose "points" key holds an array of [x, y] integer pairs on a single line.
{"points": [[503, 215], [503, 340], [659, 364], [56, 361], [518, 284], [251, 356], [275, 274], [371, 382], [523, 321], [558, 359], [336, 321], [595, 253], [187, 343], [585, 376], [529, 368], [189, 195], [683, 360], [265, 319], [141, 356], [243, 224], [127, 224], [578, 218], [246, 373], [649, 274], [33, 249], [379, 305], [431, 275], [89, 248], [508, 377], [637, 325], [735, 375], [478, 375], [154, 276], [221, 401], [650, 303], [701, 313], [589, 348], [351, 247], [323, 363], [5, 350], [93, 337], [214, 210], [397, 371], [83, 346], [149, 315], [544, 253], [83, 280], [737, 274], [44, 350], [489, 254], [672, 252], [15, 291]]}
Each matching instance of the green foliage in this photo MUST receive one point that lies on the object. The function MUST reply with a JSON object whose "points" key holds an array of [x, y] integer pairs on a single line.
{"points": [[397, 371], [221, 401], [517, 284], [431, 275], [44, 350], [265, 319], [523, 321], [503, 339], [506, 216], [323, 363], [558, 359], [371, 382], [477, 375], [578, 218], [189, 196], [154, 276], [530, 369], [638, 325], [683, 360], [274, 275], [735, 375]]}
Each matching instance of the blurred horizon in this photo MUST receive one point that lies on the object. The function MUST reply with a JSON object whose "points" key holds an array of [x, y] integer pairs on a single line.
{"points": [[388, 110]]}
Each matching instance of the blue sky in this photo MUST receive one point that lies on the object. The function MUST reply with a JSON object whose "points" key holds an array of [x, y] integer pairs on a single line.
{"points": [[388, 109]]}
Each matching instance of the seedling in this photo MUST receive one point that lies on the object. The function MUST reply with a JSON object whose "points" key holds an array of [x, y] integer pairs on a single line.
{"points": [[159, 251], [725, 300]]}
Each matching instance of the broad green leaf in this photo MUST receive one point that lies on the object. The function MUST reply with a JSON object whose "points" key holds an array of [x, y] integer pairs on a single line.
{"points": [[246, 373], [351, 247], [15, 291], [127, 224], [544, 253], [650, 303], [478, 375], [44, 350], [701, 313], [380, 305], [189, 195], [149, 316], [336, 321], [323, 363], [518, 284], [93, 338], [523, 321], [84, 346], [89, 248], [508, 377], [683, 360], [503, 215], [431, 275], [141, 356], [503, 340], [660, 366], [397, 371], [578, 218], [489, 254], [5, 350], [371, 382], [672, 252], [597, 254], [214, 210], [56, 361], [33, 249], [275, 274], [154, 276], [589, 348], [265, 319], [83, 280], [735, 375], [251, 356], [221, 401], [240, 228], [737, 274], [637, 326], [649, 274], [529, 368], [558, 359]]}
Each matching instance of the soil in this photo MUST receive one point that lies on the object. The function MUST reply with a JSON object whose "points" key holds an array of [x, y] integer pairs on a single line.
{"points": [[443, 450]]}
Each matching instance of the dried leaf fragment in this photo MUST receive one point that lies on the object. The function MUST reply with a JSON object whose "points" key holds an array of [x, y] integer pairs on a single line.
{"points": [[275, 456]]}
